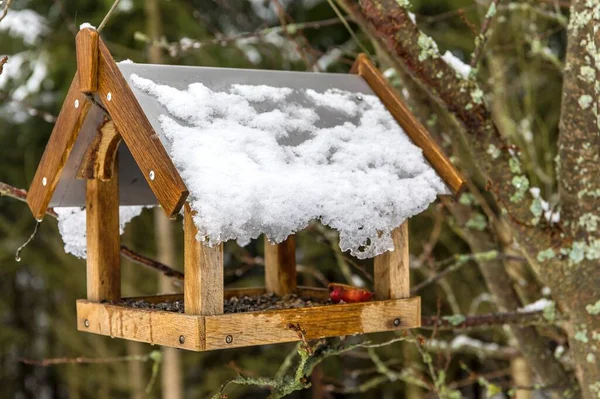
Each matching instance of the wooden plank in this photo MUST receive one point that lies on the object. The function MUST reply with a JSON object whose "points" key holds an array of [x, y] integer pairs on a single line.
{"points": [[413, 128], [141, 139], [99, 160], [203, 268], [245, 329], [269, 327], [86, 43], [103, 239], [65, 132], [151, 326], [392, 269], [280, 266]]}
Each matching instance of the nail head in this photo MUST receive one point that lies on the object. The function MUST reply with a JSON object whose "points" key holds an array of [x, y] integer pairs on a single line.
{"points": [[396, 322], [76, 103], [44, 181], [151, 175], [86, 323], [109, 96], [229, 339], [181, 339]]}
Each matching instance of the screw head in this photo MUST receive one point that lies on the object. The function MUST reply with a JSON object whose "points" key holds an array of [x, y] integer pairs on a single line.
{"points": [[151, 175], [396, 322], [181, 339], [86, 323], [109, 96], [44, 181], [229, 339], [359, 97], [76, 103]]}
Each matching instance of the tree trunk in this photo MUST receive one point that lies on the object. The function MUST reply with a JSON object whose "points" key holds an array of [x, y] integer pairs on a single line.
{"points": [[171, 370], [565, 255]]}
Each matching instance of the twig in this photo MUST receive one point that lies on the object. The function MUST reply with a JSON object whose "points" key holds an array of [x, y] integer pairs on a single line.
{"points": [[3, 61], [460, 322], [46, 116], [66, 16], [153, 264], [481, 39], [289, 29], [5, 10], [461, 260], [347, 25], [87, 360], [18, 253], [283, 20], [21, 195], [108, 14]]}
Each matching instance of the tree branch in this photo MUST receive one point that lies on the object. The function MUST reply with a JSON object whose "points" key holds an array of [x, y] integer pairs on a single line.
{"points": [[461, 322], [20, 194]]}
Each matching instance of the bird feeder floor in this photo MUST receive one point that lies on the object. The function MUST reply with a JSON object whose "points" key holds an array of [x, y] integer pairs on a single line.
{"points": [[231, 330]]}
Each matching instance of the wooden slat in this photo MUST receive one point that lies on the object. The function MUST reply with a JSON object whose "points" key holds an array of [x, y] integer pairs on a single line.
{"points": [[99, 160], [140, 137], [86, 43], [103, 239], [203, 268], [413, 128], [58, 149], [280, 266], [245, 329], [269, 327], [153, 327], [392, 271]]}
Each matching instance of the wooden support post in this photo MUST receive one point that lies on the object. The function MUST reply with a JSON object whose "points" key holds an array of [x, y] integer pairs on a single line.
{"points": [[392, 278], [103, 239], [203, 284], [86, 44], [280, 266]]}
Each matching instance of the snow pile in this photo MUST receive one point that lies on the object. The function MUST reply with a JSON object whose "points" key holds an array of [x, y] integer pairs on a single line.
{"points": [[27, 70], [25, 24], [259, 159], [457, 64], [536, 306], [72, 226], [86, 25]]}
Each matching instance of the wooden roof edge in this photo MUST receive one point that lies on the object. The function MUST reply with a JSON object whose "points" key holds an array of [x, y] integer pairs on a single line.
{"points": [[66, 129], [99, 74], [413, 128], [143, 142]]}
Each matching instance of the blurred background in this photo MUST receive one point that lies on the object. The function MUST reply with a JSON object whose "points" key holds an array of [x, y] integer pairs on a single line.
{"points": [[522, 75]]}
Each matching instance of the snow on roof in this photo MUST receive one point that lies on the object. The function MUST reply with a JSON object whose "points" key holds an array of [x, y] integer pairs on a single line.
{"points": [[268, 158], [72, 226]]}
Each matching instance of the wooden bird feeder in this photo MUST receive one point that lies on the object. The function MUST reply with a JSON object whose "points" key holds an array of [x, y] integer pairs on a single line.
{"points": [[84, 164]]}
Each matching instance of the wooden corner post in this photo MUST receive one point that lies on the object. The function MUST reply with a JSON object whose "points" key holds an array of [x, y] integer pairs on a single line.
{"points": [[280, 266], [203, 267], [103, 239], [392, 270]]}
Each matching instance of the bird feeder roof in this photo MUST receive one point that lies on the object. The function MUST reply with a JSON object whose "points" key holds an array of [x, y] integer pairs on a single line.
{"points": [[257, 151]]}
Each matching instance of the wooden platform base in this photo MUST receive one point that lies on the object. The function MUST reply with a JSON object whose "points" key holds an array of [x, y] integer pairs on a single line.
{"points": [[202, 333]]}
